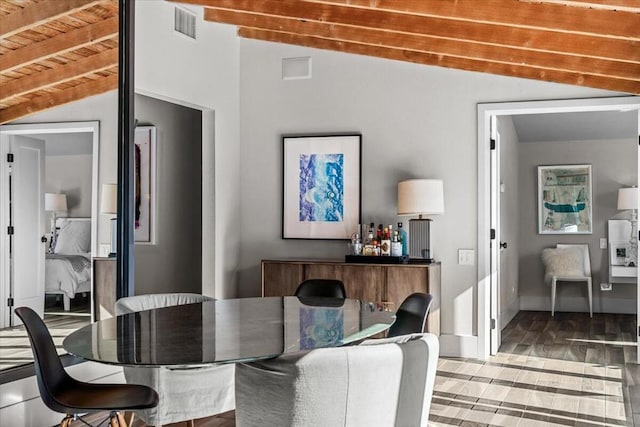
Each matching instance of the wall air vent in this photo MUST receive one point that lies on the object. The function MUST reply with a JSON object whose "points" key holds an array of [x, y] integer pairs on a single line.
{"points": [[185, 22]]}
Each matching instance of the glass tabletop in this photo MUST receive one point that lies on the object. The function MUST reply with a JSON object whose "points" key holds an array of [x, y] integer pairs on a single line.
{"points": [[223, 331]]}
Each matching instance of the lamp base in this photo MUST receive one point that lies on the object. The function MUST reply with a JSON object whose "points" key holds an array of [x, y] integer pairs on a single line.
{"points": [[420, 238], [114, 237]]}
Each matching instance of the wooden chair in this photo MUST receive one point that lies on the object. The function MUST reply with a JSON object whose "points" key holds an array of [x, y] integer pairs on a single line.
{"points": [[62, 393]]}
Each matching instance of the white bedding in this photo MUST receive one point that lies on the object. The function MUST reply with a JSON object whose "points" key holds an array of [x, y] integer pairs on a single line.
{"points": [[60, 276]]}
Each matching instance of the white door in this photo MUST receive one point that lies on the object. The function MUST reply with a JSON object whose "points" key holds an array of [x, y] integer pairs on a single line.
{"points": [[27, 214], [495, 239], [638, 262]]}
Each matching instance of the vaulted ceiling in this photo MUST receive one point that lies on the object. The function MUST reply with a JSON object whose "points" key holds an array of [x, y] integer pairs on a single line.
{"points": [[57, 51]]}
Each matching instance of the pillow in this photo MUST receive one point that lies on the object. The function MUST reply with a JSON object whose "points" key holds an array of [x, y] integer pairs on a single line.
{"points": [[563, 262], [73, 237]]}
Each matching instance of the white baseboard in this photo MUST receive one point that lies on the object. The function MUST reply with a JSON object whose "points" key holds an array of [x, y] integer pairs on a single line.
{"points": [[509, 312], [458, 346], [579, 304], [20, 400]]}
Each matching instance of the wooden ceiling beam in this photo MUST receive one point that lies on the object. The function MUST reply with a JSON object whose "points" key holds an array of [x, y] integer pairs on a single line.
{"points": [[523, 71], [557, 16], [35, 14], [622, 5], [59, 44], [494, 34], [427, 44], [54, 99], [53, 76]]}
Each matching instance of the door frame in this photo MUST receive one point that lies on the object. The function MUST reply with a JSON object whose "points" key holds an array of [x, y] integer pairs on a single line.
{"points": [[485, 113], [42, 128]]}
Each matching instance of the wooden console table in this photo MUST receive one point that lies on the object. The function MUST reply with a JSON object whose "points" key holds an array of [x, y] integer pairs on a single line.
{"points": [[386, 283]]}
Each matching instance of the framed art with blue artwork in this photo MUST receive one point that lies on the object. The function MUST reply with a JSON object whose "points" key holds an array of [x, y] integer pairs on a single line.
{"points": [[321, 186]]}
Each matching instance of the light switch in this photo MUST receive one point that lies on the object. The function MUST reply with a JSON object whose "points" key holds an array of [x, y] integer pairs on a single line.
{"points": [[466, 256], [603, 243]]}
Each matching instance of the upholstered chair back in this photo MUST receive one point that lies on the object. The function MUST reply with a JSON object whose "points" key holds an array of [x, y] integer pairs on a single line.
{"points": [[386, 382]]}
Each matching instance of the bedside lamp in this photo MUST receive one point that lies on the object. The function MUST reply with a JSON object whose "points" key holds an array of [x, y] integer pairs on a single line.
{"points": [[54, 202], [109, 206], [628, 200], [420, 197]]}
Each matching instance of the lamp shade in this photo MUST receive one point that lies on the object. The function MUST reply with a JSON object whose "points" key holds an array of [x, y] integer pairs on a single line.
{"points": [[421, 196], [55, 202], [109, 199], [628, 198]]}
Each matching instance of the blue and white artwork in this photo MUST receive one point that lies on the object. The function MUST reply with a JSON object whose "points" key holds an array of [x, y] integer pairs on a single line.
{"points": [[321, 187], [321, 327], [564, 204]]}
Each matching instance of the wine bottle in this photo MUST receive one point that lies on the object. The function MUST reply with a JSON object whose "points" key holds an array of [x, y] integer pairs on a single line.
{"points": [[385, 243], [369, 244], [402, 236], [396, 245]]}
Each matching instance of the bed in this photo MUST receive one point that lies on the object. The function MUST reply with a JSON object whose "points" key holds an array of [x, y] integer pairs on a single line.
{"points": [[67, 268]]}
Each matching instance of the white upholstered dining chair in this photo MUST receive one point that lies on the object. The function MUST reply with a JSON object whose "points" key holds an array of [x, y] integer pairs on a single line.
{"points": [[381, 382], [568, 263], [185, 393]]}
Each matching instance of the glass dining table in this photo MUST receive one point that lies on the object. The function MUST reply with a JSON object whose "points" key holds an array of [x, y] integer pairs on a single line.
{"points": [[227, 331]]}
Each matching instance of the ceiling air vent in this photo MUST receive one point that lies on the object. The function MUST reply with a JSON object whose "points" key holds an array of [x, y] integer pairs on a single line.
{"points": [[185, 22]]}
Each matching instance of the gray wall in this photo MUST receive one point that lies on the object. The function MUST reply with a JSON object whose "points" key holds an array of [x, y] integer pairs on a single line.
{"points": [[174, 263], [614, 165], [417, 122], [71, 175], [509, 220]]}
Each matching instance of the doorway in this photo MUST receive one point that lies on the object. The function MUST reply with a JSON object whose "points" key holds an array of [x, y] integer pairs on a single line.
{"points": [[53, 132], [489, 190]]}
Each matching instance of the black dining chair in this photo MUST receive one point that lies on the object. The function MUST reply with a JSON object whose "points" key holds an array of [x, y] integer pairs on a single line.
{"points": [[331, 288], [411, 315], [64, 394]]}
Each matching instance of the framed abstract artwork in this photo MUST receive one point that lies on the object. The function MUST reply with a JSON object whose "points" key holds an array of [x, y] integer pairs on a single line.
{"points": [[564, 199], [321, 186], [145, 185]]}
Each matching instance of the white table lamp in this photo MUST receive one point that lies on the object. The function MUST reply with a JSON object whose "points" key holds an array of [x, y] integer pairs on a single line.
{"points": [[420, 197], [109, 206], [628, 200], [54, 202]]}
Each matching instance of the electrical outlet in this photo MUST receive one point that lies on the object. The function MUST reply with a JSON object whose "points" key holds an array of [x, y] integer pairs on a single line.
{"points": [[603, 243], [466, 256], [605, 287]]}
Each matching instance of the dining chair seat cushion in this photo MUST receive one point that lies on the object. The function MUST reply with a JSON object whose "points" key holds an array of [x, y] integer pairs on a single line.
{"points": [[185, 392], [382, 383]]}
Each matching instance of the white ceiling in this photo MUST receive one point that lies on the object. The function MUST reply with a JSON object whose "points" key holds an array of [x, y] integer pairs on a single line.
{"points": [[585, 126]]}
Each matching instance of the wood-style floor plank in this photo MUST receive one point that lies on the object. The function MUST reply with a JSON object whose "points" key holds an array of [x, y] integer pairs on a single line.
{"points": [[567, 370]]}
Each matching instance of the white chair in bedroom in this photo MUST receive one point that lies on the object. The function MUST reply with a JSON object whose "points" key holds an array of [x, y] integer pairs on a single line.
{"points": [[568, 263], [381, 382], [185, 393]]}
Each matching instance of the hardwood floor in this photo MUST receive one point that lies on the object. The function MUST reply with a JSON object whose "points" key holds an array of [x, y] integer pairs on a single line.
{"points": [[14, 345], [567, 370], [563, 370]]}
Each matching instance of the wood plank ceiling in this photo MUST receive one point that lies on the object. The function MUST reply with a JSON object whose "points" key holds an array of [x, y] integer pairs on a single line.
{"points": [[53, 52], [58, 51]]}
